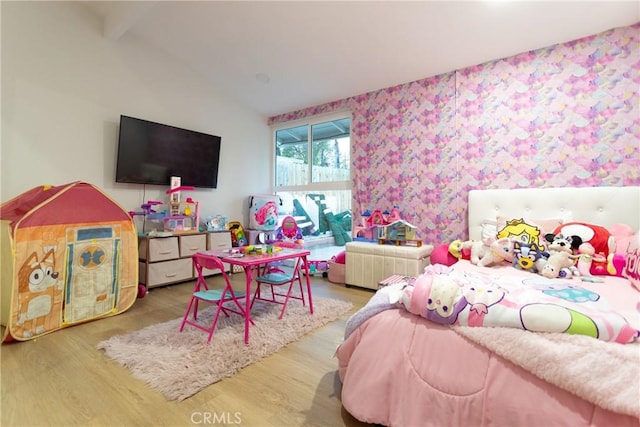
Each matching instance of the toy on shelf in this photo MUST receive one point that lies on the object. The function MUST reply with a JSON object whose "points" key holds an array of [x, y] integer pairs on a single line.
{"points": [[263, 211], [147, 209], [387, 227], [149, 214], [378, 217], [368, 229], [398, 232], [238, 236], [394, 215], [182, 216], [217, 223]]}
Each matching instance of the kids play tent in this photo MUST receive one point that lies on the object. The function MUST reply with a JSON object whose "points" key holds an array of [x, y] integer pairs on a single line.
{"points": [[69, 255]]}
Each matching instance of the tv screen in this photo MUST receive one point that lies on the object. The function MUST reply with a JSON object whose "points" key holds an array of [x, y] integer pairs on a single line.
{"points": [[151, 153]]}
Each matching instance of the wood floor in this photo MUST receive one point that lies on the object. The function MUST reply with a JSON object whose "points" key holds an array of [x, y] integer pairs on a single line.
{"points": [[61, 379]]}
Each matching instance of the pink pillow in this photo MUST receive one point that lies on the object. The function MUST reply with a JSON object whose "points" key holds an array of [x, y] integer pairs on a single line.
{"points": [[441, 255], [523, 227], [632, 265], [622, 235]]}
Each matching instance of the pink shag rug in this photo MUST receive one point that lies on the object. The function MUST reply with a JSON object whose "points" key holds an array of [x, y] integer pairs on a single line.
{"points": [[177, 370]]}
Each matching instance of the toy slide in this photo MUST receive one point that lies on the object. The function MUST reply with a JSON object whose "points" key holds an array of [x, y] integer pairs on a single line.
{"points": [[323, 224], [303, 219], [328, 221], [344, 219], [340, 236]]}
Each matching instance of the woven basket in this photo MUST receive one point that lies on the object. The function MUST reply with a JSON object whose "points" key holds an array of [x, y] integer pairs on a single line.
{"points": [[336, 272]]}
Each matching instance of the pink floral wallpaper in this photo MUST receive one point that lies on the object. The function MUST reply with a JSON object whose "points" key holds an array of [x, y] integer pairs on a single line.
{"points": [[566, 115]]}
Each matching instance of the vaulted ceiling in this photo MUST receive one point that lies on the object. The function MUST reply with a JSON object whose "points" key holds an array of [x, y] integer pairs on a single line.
{"points": [[277, 57]]}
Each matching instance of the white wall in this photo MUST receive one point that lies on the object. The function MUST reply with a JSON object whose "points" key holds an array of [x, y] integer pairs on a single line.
{"points": [[64, 87]]}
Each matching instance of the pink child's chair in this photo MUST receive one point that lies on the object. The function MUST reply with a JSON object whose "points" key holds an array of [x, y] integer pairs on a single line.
{"points": [[276, 276], [201, 292]]}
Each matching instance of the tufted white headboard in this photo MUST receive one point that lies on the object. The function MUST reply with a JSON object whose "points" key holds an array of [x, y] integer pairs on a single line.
{"points": [[596, 205]]}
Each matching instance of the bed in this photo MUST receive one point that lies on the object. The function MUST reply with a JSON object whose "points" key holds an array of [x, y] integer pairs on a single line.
{"points": [[402, 369]]}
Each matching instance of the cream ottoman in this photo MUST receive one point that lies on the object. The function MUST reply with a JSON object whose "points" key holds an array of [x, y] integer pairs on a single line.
{"points": [[369, 263]]}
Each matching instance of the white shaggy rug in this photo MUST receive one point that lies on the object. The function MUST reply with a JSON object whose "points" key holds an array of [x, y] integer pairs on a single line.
{"points": [[177, 370]]}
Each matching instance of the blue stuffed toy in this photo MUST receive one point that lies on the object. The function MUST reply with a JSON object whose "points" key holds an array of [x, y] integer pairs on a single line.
{"points": [[527, 255]]}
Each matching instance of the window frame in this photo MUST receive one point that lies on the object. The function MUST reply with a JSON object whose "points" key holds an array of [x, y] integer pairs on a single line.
{"points": [[311, 186]]}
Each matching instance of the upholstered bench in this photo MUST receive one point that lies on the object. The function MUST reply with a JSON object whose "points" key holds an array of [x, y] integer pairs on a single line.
{"points": [[369, 263]]}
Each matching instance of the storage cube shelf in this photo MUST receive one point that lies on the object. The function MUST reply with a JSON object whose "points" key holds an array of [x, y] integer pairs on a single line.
{"points": [[167, 259]]}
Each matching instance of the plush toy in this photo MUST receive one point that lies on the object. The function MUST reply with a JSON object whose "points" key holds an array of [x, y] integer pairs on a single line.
{"points": [[600, 239], [450, 254], [558, 265], [586, 258], [455, 249], [528, 256], [591, 263], [632, 263], [559, 243], [621, 237], [619, 262], [460, 249], [563, 243], [496, 252]]}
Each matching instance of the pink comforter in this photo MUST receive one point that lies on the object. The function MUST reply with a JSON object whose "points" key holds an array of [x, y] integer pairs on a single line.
{"points": [[471, 296], [399, 369]]}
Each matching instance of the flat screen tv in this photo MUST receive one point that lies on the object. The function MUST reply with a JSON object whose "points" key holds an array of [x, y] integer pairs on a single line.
{"points": [[151, 153]]}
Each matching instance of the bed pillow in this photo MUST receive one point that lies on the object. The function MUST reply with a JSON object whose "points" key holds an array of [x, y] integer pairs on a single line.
{"points": [[598, 236], [622, 235], [529, 230], [489, 229], [632, 262], [602, 241]]}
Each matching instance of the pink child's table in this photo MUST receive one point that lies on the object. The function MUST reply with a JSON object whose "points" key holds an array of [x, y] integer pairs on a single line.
{"points": [[253, 262]]}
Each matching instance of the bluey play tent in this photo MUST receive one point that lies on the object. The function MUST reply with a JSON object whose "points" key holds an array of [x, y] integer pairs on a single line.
{"points": [[69, 255]]}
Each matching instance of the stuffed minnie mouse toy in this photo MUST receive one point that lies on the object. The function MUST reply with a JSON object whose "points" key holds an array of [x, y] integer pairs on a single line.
{"points": [[603, 254]]}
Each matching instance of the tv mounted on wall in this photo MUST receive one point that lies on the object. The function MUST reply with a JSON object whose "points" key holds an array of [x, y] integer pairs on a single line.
{"points": [[151, 153]]}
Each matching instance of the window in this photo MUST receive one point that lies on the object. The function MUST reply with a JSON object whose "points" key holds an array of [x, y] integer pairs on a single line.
{"points": [[313, 170]]}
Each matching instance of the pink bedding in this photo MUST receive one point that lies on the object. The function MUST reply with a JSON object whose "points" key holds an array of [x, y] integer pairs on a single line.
{"points": [[399, 369], [508, 297]]}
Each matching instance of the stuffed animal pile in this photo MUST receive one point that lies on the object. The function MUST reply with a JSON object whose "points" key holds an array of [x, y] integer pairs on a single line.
{"points": [[560, 260], [573, 249]]}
